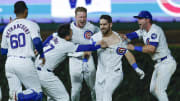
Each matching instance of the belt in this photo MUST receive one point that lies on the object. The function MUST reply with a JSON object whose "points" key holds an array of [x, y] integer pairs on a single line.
{"points": [[19, 56], [23, 57], [161, 59], [39, 68]]}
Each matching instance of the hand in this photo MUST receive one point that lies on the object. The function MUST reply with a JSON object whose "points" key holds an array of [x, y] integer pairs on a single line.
{"points": [[123, 36], [87, 54], [130, 46], [103, 44], [35, 52], [43, 61], [140, 73]]}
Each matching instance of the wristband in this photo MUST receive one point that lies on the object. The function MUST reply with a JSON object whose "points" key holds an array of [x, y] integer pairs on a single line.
{"points": [[134, 65], [138, 48], [85, 60]]}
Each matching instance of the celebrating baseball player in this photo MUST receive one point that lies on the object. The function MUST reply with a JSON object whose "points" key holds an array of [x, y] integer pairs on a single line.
{"points": [[18, 40], [56, 48], [82, 32], [109, 71], [155, 44]]}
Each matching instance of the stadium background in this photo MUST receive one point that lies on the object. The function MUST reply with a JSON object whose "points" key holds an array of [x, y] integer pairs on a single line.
{"points": [[122, 11]]}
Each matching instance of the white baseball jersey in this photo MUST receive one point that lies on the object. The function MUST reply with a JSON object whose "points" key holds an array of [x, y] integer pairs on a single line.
{"points": [[56, 51], [155, 34], [109, 69], [82, 35], [109, 59], [17, 37]]}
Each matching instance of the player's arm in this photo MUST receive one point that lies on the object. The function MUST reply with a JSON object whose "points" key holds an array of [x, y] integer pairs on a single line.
{"points": [[47, 40], [35, 34], [92, 47], [145, 49], [131, 59], [38, 46]]}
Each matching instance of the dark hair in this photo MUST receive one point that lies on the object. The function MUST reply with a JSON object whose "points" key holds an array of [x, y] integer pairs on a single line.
{"points": [[64, 30], [20, 7], [80, 9], [106, 17]]}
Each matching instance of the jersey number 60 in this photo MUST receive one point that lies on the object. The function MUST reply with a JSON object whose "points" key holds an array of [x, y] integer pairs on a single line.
{"points": [[17, 40]]}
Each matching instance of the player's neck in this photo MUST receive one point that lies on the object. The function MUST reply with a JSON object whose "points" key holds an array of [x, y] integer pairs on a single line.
{"points": [[108, 34], [20, 16], [148, 27]]}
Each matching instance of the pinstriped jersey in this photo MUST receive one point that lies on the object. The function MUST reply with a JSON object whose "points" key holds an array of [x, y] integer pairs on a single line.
{"points": [[82, 35], [109, 59], [155, 34], [56, 51]]}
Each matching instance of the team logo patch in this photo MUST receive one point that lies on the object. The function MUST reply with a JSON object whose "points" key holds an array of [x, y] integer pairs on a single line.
{"points": [[121, 51], [153, 36], [147, 41], [88, 34]]}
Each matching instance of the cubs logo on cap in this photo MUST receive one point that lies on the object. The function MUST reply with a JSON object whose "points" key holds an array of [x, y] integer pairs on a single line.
{"points": [[88, 34], [121, 51]]}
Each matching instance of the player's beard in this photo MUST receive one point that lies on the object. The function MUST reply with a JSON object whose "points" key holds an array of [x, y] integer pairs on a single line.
{"points": [[105, 31]]}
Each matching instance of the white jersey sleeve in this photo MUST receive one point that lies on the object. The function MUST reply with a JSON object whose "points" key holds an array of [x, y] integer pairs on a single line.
{"points": [[35, 31], [154, 37]]}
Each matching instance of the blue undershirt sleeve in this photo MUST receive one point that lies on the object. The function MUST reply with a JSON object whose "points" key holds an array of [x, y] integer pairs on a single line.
{"points": [[88, 47], [132, 35], [4, 51], [38, 45], [154, 44]]}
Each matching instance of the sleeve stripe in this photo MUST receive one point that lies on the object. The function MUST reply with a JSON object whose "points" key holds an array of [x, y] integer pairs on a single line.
{"points": [[154, 43]]}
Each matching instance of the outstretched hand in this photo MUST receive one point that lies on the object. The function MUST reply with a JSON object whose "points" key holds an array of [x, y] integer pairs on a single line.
{"points": [[140, 73]]}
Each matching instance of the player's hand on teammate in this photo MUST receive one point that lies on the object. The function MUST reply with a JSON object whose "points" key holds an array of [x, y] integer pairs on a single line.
{"points": [[140, 73], [43, 61], [103, 44], [86, 55], [123, 36], [130, 47], [35, 52]]}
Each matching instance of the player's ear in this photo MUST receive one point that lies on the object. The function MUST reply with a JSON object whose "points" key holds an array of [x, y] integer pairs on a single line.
{"points": [[26, 12], [111, 25]]}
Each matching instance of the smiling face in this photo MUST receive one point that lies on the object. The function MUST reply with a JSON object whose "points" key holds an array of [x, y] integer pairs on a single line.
{"points": [[105, 26], [81, 18]]}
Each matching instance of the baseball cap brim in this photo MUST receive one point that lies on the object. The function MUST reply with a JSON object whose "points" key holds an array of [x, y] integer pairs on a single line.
{"points": [[137, 17]]}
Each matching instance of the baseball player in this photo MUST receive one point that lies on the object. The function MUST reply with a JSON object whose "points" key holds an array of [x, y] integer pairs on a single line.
{"points": [[18, 40], [82, 32], [109, 70], [56, 48], [155, 44]]}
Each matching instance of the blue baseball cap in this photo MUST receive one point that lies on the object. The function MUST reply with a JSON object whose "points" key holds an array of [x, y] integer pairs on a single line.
{"points": [[144, 14]]}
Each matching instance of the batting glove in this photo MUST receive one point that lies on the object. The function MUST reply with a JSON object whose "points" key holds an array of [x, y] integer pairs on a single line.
{"points": [[140, 73]]}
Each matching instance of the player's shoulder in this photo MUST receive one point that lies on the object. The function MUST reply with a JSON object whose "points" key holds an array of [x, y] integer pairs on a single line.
{"points": [[97, 36], [89, 24], [156, 29]]}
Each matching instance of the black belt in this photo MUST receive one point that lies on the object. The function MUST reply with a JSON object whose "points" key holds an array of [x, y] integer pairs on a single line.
{"points": [[39, 68]]}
